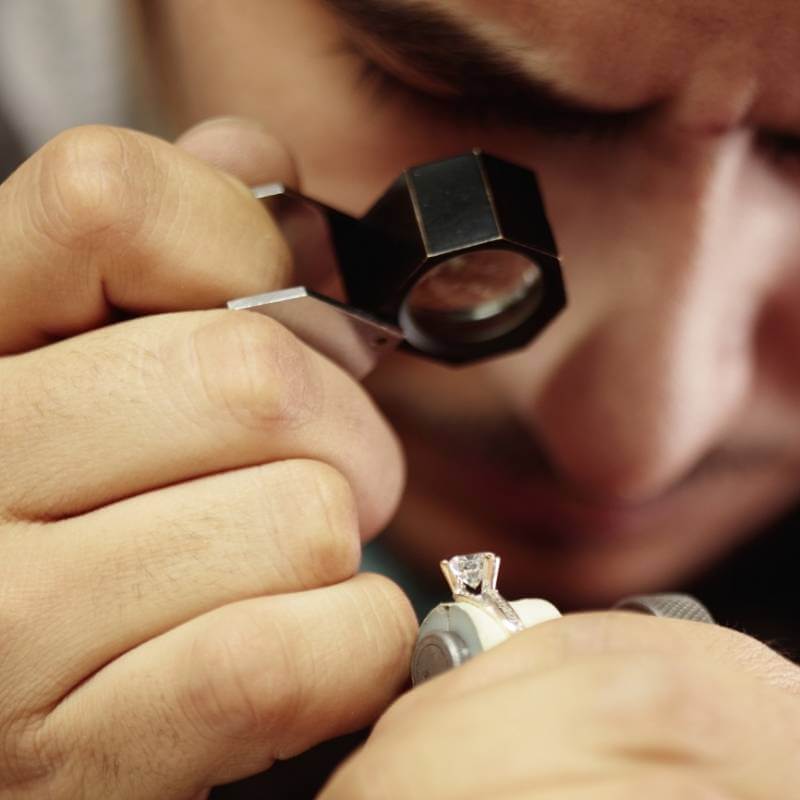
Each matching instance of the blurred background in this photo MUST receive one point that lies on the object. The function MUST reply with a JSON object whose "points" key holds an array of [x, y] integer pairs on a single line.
{"points": [[65, 63]]}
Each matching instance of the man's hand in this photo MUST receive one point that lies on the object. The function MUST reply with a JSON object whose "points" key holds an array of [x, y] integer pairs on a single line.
{"points": [[613, 706], [182, 496]]}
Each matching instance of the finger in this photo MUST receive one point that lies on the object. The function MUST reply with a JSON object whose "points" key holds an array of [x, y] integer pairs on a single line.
{"points": [[103, 219], [657, 784], [227, 694], [104, 582], [159, 400], [240, 147], [575, 636], [597, 718]]}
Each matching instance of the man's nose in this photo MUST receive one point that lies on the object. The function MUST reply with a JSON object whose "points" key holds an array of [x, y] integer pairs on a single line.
{"points": [[667, 296]]}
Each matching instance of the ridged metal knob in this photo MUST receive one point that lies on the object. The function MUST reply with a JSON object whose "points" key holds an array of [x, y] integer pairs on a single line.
{"points": [[673, 605]]}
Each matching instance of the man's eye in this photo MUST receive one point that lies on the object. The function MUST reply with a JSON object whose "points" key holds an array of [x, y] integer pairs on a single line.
{"points": [[491, 112], [384, 87]]}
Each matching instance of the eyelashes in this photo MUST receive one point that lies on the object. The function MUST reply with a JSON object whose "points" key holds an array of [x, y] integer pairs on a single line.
{"points": [[490, 112]]}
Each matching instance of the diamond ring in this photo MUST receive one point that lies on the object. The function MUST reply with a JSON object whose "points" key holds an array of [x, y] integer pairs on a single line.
{"points": [[452, 633], [473, 579]]}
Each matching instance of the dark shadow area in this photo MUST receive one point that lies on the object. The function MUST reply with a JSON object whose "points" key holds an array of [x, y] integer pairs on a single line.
{"points": [[299, 778]]}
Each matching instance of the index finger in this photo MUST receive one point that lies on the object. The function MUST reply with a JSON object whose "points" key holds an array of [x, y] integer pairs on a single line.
{"points": [[104, 219]]}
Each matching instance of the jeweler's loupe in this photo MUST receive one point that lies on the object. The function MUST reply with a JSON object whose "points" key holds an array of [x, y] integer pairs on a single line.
{"points": [[456, 262]]}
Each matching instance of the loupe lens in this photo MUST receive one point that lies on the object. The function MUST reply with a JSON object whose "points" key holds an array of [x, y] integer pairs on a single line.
{"points": [[472, 297]]}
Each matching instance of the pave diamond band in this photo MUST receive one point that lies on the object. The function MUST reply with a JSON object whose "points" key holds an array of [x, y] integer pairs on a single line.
{"points": [[473, 579]]}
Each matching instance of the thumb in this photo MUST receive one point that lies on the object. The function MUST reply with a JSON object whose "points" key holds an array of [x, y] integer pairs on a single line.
{"points": [[240, 147]]}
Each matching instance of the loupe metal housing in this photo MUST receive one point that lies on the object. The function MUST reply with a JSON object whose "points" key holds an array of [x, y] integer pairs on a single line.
{"points": [[456, 261]]}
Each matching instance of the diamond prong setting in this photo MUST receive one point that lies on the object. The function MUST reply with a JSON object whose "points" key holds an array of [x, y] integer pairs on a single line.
{"points": [[471, 574], [472, 578]]}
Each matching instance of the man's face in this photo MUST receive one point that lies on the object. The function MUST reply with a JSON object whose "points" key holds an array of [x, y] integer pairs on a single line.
{"points": [[657, 421]]}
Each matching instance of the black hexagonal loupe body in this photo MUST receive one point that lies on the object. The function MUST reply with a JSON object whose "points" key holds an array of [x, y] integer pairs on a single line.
{"points": [[435, 213]]}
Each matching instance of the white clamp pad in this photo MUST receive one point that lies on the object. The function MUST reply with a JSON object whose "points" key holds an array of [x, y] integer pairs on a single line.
{"points": [[478, 629]]}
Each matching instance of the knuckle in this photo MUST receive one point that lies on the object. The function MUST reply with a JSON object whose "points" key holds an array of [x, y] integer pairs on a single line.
{"points": [[32, 759], [670, 708], [244, 682], [95, 186], [331, 519], [255, 372]]}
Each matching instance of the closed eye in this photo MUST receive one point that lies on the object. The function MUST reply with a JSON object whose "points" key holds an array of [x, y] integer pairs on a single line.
{"points": [[492, 110]]}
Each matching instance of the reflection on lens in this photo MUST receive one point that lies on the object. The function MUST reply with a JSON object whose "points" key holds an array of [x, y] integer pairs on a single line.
{"points": [[473, 297]]}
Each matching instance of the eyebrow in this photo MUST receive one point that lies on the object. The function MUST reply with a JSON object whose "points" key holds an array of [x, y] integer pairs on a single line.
{"points": [[434, 46]]}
